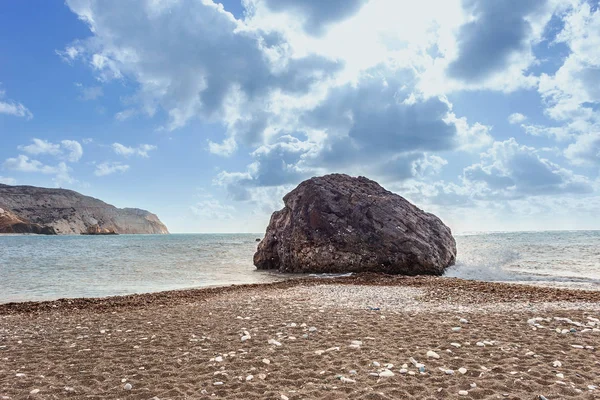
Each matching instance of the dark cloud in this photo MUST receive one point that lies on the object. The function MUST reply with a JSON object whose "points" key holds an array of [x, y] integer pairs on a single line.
{"points": [[487, 43], [190, 58], [318, 13]]}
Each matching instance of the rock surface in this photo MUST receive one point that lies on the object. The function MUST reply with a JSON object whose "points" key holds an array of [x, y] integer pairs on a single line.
{"points": [[337, 223], [28, 209]]}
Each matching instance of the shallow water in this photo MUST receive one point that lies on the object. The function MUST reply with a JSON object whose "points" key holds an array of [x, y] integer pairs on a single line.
{"points": [[51, 267]]}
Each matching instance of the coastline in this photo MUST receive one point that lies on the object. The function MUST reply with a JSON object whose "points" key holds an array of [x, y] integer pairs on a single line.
{"points": [[308, 338]]}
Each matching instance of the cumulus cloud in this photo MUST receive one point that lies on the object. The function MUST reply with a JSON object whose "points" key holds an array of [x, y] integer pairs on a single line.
{"points": [[317, 14], [142, 150], [573, 93], [90, 92], [393, 135], [68, 150], [22, 163], [193, 59], [516, 118], [585, 150], [510, 170], [10, 107], [499, 36], [108, 168]]}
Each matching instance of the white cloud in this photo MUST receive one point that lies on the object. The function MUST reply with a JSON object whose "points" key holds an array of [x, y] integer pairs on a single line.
{"points": [[516, 118], [585, 150], [69, 150], [91, 92], [142, 150], [8, 181], [108, 168], [13, 108], [212, 209], [22, 163]]}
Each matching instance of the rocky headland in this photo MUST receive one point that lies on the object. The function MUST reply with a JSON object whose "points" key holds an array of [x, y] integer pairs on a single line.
{"points": [[337, 223], [28, 209]]}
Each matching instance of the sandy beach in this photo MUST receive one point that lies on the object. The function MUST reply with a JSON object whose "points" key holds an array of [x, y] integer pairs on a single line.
{"points": [[366, 337]]}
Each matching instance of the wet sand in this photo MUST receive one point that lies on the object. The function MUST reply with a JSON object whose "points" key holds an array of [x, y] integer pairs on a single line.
{"points": [[308, 339]]}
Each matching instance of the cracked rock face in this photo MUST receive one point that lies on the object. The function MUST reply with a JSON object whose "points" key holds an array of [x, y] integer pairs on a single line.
{"points": [[337, 223]]}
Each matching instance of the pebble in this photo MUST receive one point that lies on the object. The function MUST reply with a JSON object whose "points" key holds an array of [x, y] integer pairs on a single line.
{"points": [[249, 377], [592, 387], [411, 372], [217, 383], [352, 372], [246, 337], [473, 385], [557, 364], [347, 380], [319, 352], [274, 342], [560, 375], [262, 377], [403, 371], [457, 345], [266, 361], [284, 397], [463, 393], [312, 329], [577, 346], [20, 375], [34, 391], [128, 386], [432, 354], [463, 321], [456, 329], [386, 373], [219, 359], [462, 370], [376, 364], [480, 344]]}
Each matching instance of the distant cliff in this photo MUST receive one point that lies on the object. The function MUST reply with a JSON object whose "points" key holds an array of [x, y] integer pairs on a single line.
{"points": [[28, 209]]}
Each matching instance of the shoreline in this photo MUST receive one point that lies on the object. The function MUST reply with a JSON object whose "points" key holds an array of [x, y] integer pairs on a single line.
{"points": [[500, 292], [366, 337]]}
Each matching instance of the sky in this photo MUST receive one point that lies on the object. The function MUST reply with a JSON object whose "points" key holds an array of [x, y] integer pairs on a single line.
{"points": [[486, 113]]}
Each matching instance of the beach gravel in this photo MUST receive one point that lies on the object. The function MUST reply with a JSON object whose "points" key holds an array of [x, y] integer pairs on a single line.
{"points": [[186, 344]]}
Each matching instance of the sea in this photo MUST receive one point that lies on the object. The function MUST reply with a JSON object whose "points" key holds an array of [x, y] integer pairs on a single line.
{"points": [[36, 268]]}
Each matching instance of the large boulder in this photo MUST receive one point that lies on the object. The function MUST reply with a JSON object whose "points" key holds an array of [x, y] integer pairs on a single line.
{"points": [[337, 223]]}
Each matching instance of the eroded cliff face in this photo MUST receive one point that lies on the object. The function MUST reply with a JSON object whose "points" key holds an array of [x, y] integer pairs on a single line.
{"points": [[68, 212]]}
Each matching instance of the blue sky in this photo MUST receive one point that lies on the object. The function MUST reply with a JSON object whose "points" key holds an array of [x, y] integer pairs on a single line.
{"points": [[485, 113]]}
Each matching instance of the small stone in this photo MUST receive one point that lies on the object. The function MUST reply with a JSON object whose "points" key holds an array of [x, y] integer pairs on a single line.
{"points": [[128, 386], [386, 373], [246, 337], [312, 329], [480, 344], [69, 389], [560, 375], [577, 346], [123, 380], [592, 387], [262, 377], [376, 364], [411, 373], [557, 364], [347, 380], [352, 372], [462, 370], [463, 321], [34, 391], [319, 352], [457, 345], [463, 393], [284, 397], [219, 359], [20, 375], [249, 377], [274, 342], [217, 383], [403, 371], [473, 385], [432, 354], [266, 361], [456, 329]]}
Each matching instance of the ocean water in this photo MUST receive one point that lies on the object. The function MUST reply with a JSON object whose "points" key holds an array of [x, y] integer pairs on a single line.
{"points": [[52, 267]]}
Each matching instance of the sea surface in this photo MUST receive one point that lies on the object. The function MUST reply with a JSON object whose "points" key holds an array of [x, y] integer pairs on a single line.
{"points": [[51, 267]]}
